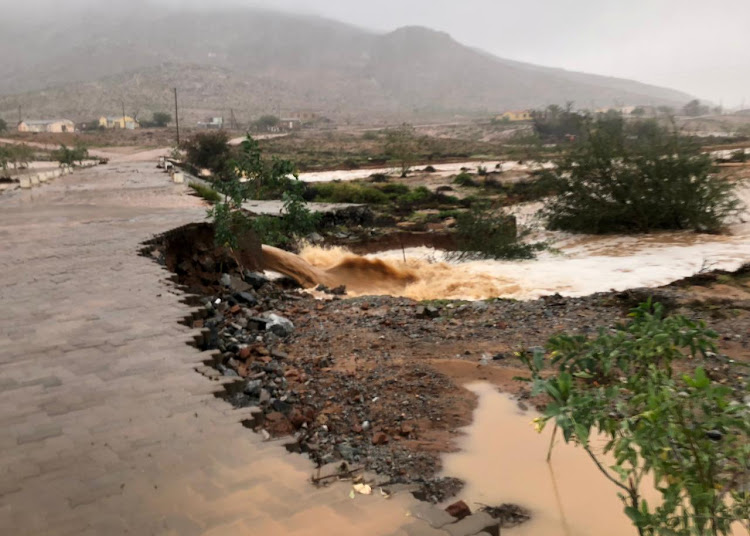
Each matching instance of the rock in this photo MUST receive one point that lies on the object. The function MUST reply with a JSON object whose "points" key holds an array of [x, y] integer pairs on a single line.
{"points": [[226, 280], [406, 430], [473, 524], [256, 324], [277, 424], [379, 438], [459, 510], [253, 387], [264, 396], [436, 517], [297, 418], [278, 325], [255, 279], [246, 298], [238, 285], [427, 311]]}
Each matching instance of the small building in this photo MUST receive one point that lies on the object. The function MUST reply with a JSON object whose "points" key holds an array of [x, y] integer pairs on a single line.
{"points": [[120, 121], [290, 123], [47, 125], [303, 116], [516, 115], [212, 122]]}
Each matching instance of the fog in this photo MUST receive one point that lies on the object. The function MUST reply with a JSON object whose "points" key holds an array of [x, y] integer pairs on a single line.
{"points": [[699, 47]]}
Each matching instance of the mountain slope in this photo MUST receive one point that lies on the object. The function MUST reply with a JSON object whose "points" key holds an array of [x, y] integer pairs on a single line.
{"points": [[257, 61]]}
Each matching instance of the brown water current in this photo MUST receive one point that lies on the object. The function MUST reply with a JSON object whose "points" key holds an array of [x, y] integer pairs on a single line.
{"points": [[503, 460]]}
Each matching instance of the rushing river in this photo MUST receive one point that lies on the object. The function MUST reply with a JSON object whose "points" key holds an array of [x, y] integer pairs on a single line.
{"points": [[576, 265]]}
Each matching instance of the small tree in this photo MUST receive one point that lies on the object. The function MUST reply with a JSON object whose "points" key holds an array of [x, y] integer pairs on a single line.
{"points": [[637, 177], [694, 108], [689, 434], [3, 125], [161, 119], [267, 122], [71, 156], [401, 146], [484, 233], [248, 175], [20, 155], [208, 150]]}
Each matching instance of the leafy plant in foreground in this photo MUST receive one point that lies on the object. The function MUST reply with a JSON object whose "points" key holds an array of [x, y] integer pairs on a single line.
{"points": [[686, 433], [250, 176]]}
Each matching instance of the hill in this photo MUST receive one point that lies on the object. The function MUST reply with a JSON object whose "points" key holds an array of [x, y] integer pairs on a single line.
{"points": [[257, 61]]}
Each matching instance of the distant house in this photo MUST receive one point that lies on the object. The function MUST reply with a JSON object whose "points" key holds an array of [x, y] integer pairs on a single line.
{"points": [[516, 115], [212, 122], [290, 123], [303, 117], [48, 125], [120, 121]]}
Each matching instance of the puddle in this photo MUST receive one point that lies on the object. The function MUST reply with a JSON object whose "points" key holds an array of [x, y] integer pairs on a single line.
{"points": [[503, 460]]}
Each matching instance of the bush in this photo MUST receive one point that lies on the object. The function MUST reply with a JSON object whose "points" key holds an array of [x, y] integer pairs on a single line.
{"points": [[481, 233], [346, 192], [688, 434], [230, 222], [464, 179], [418, 197], [394, 189], [208, 150], [69, 157], [612, 181]]}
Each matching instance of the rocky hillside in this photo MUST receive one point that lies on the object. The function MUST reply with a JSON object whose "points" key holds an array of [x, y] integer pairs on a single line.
{"points": [[256, 61]]}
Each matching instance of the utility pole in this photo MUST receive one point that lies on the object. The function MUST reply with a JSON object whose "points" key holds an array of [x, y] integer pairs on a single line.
{"points": [[123, 114], [176, 117]]}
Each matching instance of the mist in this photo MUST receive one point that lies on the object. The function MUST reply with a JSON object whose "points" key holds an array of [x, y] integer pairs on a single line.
{"points": [[693, 46]]}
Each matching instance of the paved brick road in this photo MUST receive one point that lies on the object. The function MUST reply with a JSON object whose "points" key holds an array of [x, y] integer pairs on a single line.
{"points": [[105, 428]]}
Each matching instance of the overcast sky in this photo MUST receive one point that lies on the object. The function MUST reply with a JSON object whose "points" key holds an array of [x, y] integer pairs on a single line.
{"points": [[698, 46]]}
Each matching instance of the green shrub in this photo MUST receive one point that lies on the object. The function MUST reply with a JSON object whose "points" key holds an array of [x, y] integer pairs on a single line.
{"points": [[394, 189], [686, 433], [614, 181], [481, 233], [208, 150], [347, 192], [464, 179], [419, 196], [209, 194]]}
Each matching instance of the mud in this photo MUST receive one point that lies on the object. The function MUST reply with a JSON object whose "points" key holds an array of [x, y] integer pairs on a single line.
{"points": [[376, 381]]}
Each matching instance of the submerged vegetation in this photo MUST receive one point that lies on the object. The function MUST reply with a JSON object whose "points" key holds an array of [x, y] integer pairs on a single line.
{"points": [[484, 233]]}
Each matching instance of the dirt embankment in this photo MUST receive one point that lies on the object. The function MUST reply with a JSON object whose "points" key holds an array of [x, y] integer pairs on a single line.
{"points": [[376, 381]]}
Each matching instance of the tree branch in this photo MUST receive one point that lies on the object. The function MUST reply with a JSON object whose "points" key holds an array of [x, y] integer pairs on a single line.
{"points": [[604, 471]]}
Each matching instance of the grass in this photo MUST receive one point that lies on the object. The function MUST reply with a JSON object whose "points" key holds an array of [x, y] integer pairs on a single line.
{"points": [[209, 194]]}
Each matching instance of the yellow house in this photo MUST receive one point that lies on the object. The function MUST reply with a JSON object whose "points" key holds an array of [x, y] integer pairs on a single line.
{"points": [[516, 115], [51, 125], [120, 121]]}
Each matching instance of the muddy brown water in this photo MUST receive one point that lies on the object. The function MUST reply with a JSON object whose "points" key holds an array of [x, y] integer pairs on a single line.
{"points": [[503, 460]]}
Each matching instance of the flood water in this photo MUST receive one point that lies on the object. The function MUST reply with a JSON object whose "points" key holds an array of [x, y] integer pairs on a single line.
{"points": [[503, 460], [440, 170]]}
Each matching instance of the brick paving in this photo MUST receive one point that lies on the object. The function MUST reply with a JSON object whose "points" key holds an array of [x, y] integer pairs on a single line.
{"points": [[106, 427]]}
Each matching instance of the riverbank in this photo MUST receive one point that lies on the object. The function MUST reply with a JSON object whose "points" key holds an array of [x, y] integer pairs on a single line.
{"points": [[377, 382]]}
